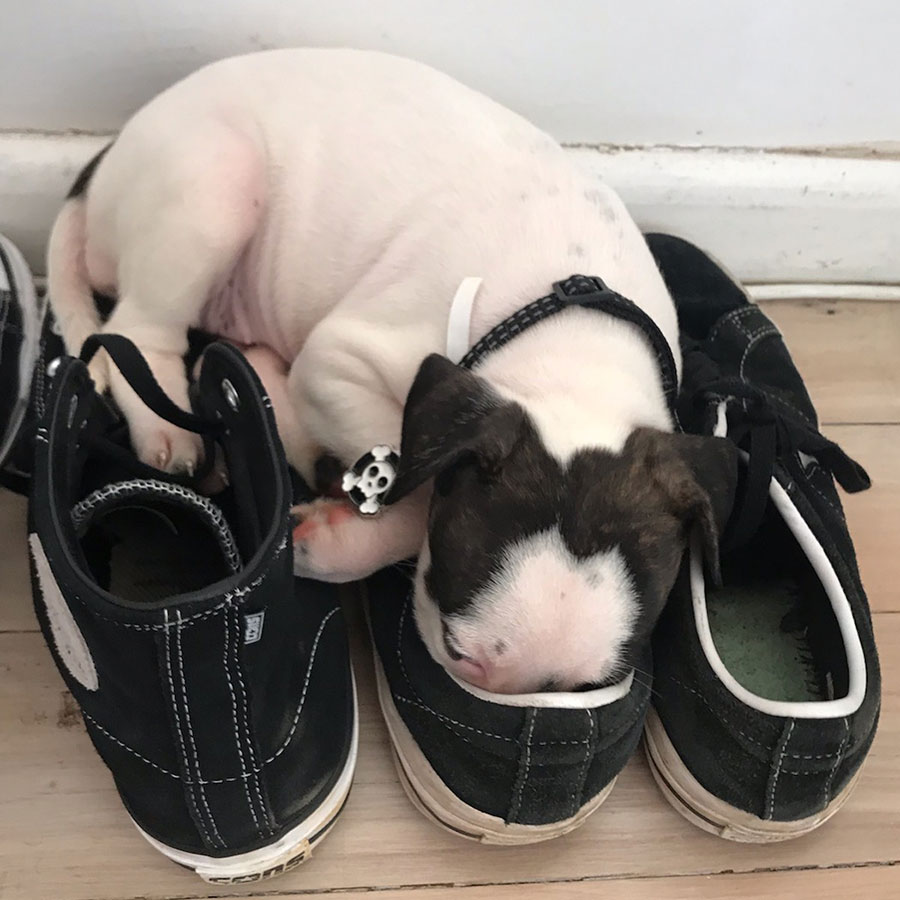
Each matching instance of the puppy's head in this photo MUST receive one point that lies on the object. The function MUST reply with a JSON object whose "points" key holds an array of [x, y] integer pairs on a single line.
{"points": [[538, 573]]}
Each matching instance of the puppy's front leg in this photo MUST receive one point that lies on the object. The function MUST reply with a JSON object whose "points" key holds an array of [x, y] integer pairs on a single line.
{"points": [[179, 229], [333, 542]]}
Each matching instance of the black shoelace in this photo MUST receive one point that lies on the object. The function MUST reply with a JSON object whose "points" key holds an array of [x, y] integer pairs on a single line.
{"points": [[109, 438], [768, 429], [139, 376]]}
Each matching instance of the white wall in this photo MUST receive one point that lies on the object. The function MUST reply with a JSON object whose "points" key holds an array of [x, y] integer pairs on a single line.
{"points": [[717, 73], [712, 72]]}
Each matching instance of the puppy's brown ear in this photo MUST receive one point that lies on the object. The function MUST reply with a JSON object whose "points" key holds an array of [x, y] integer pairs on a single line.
{"points": [[451, 413], [713, 462], [698, 475]]}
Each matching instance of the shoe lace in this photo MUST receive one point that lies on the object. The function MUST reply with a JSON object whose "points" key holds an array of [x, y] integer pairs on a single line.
{"points": [[768, 429]]}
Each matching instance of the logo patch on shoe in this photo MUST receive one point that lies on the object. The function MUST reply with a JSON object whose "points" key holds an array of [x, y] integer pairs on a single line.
{"points": [[289, 860], [253, 626], [70, 643]]}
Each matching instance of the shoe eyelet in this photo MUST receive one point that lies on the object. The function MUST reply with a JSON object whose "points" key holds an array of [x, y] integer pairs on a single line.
{"points": [[230, 394]]}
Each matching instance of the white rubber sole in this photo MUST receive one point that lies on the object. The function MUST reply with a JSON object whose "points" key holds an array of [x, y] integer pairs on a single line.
{"points": [[437, 802], [290, 850], [33, 312], [712, 814]]}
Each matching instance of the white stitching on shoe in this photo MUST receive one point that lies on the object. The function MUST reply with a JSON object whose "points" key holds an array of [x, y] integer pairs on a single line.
{"points": [[814, 467], [753, 339], [400, 623], [153, 485], [418, 701], [770, 805], [187, 718], [184, 755], [228, 599], [309, 666], [131, 750], [39, 375], [244, 775], [142, 758], [582, 778], [251, 756], [735, 314], [837, 761], [741, 327], [746, 737], [234, 714], [793, 410], [727, 721], [517, 798], [444, 718]]}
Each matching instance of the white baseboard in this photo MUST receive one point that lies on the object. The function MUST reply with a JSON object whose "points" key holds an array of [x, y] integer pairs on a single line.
{"points": [[36, 172], [771, 217]]}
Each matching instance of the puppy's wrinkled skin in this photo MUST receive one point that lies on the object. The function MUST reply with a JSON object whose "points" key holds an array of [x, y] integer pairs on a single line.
{"points": [[321, 207]]}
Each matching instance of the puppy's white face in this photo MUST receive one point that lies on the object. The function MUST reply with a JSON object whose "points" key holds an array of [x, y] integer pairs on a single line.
{"points": [[540, 573], [517, 634]]}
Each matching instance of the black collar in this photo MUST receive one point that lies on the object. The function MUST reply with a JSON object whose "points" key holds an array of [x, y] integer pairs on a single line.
{"points": [[590, 293], [577, 290]]}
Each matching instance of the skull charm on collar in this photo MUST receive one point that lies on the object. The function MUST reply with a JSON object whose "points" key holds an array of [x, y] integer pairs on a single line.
{"points": [[370, 479]]}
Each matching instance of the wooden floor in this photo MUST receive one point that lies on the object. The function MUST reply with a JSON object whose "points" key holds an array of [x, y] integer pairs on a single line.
{"points": [[65, 836]]}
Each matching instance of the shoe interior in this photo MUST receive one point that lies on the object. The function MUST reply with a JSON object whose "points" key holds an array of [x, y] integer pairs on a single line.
{"points": [[150, 553], [772, 621]]}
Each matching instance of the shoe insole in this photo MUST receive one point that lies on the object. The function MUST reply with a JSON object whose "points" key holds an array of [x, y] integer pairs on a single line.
{"points": [[762, 641], [155, 554], [773, 624]]}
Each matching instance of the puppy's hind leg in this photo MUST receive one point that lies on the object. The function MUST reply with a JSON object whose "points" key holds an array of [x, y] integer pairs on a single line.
{"points": [[272, 371], [172, 257]]}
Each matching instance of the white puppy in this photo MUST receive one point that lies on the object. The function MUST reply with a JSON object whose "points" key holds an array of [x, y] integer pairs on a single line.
{"points": [[321, 207]]}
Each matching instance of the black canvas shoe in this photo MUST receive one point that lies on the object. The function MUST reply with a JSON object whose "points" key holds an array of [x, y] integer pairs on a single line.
{"points": [[767, 689], [215, 686], [21, 321], [498, 768]]}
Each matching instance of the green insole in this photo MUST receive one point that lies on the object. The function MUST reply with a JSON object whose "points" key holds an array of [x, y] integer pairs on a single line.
{"points": [[760, 642]]}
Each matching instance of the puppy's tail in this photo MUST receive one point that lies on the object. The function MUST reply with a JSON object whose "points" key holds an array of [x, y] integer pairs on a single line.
{"points": [[68, 285]]}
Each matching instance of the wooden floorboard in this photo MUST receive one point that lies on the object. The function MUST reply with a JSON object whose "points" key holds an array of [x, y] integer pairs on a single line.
{"points": [[870, 882], [873, 516], [848, 353], [65, 836]]}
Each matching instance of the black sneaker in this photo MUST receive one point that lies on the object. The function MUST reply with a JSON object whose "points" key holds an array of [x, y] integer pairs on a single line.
{"points": [[21, 322], [498, 768], [767, 689], [215, 686]]}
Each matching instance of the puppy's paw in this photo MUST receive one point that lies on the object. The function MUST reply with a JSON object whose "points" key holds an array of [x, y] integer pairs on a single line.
{"points": [[332, 542], [163, 446], [98, 369]]}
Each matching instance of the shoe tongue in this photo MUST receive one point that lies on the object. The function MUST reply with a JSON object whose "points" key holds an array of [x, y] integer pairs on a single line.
{"points": [[156, 495]]}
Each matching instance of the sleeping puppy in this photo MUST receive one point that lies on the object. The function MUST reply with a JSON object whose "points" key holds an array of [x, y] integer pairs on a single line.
{"points": [[320, 208]]}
